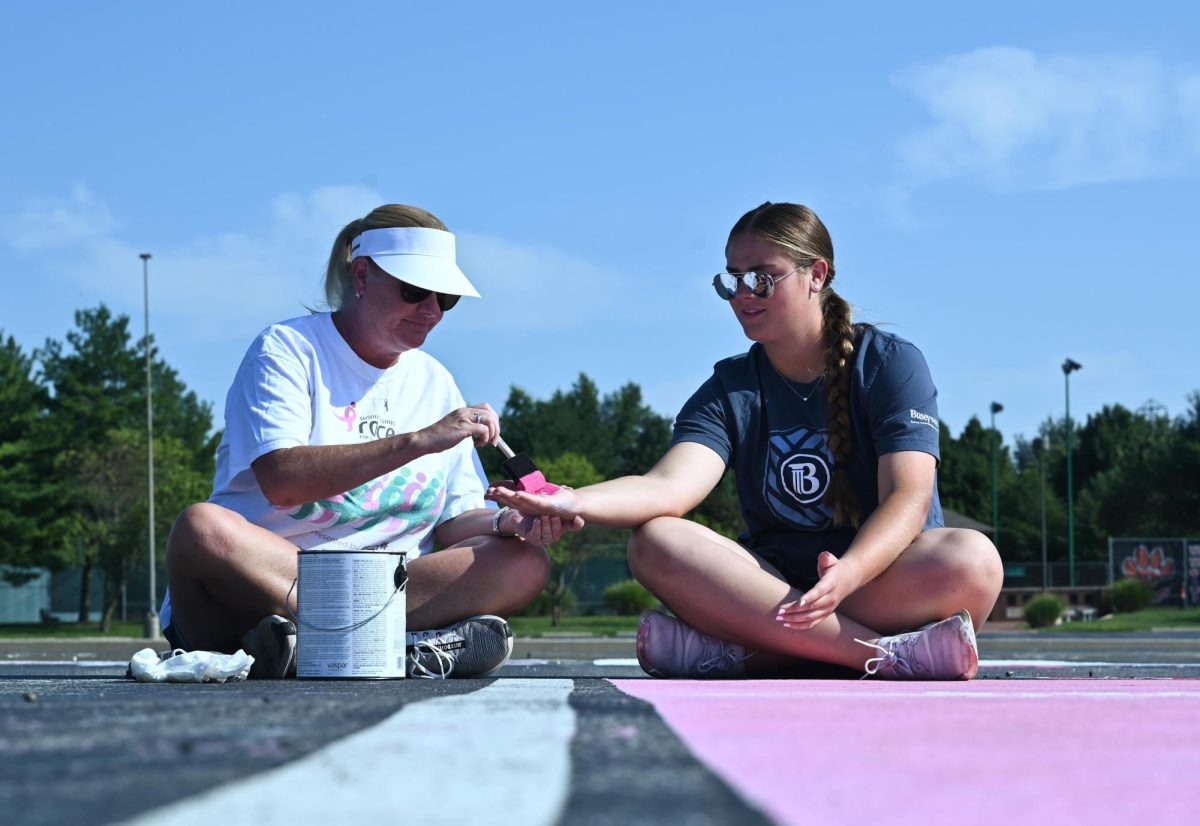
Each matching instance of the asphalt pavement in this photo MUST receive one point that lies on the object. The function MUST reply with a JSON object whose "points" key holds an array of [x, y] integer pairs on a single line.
{"points": [[560, 736]]}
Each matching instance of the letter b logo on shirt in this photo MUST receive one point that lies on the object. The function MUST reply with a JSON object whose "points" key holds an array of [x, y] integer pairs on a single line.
{"points": [[805, 476]]}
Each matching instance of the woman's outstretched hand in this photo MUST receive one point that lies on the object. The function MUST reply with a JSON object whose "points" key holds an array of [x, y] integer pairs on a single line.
{"points": [[837, 579], [563, 503], [540, 530]]}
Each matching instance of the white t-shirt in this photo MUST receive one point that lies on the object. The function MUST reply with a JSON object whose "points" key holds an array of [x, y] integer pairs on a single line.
{"points": [[300, 383]]}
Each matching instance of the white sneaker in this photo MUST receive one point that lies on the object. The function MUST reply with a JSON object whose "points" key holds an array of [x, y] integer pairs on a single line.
{"points": [[669, 647], [943, 650], [475, 647], [272, 644]]}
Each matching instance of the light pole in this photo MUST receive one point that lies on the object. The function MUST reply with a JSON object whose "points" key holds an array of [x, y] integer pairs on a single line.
{"points": [[1068, 367], [996, 408], [153, 632], [1039, 448]]}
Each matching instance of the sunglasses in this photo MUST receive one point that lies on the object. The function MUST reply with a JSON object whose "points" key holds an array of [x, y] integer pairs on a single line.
{"points": [[415, 295], [761, 284]]}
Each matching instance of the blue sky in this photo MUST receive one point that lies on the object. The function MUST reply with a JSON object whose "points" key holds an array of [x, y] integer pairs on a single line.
{"points": [[1005, 187]]}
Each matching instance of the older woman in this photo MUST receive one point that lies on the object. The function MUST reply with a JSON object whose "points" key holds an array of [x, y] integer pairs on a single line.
{"points": [[831, 429], [341, 433]]}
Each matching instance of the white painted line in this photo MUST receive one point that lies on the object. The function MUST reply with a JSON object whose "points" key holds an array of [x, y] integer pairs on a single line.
{"points": [[497, 755], [616, 661], [527, 662]]}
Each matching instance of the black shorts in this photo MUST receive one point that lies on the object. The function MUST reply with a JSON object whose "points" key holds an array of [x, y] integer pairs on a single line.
{"points": [[176, 639], [795, 554]]}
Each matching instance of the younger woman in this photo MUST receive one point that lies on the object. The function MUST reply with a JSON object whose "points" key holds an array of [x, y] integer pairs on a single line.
{"points": [[831, 429]]}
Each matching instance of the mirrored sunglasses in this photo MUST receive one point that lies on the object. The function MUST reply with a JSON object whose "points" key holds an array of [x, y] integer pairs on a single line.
{"points": [[761, 284]]}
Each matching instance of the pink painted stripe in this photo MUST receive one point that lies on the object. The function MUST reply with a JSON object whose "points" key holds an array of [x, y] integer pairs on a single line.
{"points": [[985, 752]]}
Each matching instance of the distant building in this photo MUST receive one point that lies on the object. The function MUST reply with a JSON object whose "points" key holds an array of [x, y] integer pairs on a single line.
{"points": [[954, 519]]}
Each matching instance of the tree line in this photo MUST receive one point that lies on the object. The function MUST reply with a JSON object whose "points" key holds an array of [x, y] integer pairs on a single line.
{"points": [[73, 487], [73, 463], [1134, 474]]}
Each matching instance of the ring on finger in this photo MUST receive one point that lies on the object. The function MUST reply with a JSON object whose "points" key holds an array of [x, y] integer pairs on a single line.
{"points": [[478, 417]]}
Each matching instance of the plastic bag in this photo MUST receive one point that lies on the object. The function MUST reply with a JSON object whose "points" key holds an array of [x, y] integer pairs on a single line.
{"points": [[181, 666]]}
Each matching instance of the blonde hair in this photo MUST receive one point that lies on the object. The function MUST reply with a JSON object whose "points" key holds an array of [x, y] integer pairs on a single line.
{"points": [[799, 232], [338, 280]]}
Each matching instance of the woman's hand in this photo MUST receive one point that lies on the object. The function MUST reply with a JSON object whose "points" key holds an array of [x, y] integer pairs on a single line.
{"points": [[837, 579], [479, 422], [540, 530], [563, 503]]}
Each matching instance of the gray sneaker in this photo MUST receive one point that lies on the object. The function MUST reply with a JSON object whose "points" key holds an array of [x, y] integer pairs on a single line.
{"points": [[669, 647], [475, 647], [272, 644], [943, 650]]}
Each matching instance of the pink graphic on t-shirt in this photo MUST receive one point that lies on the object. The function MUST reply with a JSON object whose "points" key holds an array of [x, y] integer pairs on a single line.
{"points": [[403, 503], [371, 501], [348, 416]]}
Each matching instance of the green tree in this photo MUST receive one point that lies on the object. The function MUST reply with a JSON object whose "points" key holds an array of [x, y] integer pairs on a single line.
{"points": [[1021, 506], [26, 480], [97, 386], [110, 518], [1138, 481], [619, 434], [568, 555], [965, 472], [1181, 503]]}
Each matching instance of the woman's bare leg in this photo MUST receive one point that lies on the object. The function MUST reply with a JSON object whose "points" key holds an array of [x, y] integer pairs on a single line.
{"points": [[942, 572], [721, 589], [226, 574]]}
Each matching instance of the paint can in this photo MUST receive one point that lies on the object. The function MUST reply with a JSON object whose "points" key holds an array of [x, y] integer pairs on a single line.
{"points": [[350, 615]]}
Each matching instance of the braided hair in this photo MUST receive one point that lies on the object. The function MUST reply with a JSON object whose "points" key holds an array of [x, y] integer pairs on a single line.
{"points": [[797, 230]]}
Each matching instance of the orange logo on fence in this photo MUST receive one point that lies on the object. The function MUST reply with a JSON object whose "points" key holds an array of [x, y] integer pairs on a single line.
{"points": [[1152, 566]]}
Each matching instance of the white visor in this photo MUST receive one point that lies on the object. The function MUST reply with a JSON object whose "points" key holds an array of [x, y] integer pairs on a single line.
{"points": [[419, 256]]}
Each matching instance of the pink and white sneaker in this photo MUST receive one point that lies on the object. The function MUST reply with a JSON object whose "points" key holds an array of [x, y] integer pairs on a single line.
{"points": [[943, 650], [669, 647]]}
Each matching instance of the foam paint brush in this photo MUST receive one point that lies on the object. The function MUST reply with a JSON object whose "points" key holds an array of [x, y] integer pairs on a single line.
{"points": [[524, 472]]}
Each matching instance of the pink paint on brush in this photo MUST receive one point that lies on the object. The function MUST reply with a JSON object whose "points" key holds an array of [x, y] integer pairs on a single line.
{"points": [[536, 483], [984, 752], [524, 472]]}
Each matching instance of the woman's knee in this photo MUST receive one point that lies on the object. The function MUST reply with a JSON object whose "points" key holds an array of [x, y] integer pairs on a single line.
{"points": [[529, 565], [970, 567], [203, 531], [662, 546], [981, 563]]}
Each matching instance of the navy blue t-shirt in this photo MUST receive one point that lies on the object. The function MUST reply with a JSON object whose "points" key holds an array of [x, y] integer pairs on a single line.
{"points": [[777, 443]]}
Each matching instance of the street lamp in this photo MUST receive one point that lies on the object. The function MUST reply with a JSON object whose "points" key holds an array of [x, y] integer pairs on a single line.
{"points": [[996, 408], [153, 632], [1039, 448], [1068, 367]]}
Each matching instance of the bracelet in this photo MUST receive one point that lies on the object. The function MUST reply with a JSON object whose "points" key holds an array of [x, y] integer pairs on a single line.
{"points": [[496, 522]]}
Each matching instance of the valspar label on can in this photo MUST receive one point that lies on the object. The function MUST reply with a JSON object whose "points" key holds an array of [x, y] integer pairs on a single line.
{"points": [[350, 614]]}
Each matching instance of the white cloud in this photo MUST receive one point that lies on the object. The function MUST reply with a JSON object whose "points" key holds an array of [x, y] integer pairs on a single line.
{"points": [[59, 223], [1015, 119], [536, 287], [1189, 108], [255, 275]]}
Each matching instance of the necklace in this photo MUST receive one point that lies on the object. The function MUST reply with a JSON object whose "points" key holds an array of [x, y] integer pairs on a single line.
{"points": [[790, 386]]}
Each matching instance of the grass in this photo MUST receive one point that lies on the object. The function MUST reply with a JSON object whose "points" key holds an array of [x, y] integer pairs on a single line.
{"points": [[1149, 619], [604, 625], [600, 626], [608, 625], [69, 630]]}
